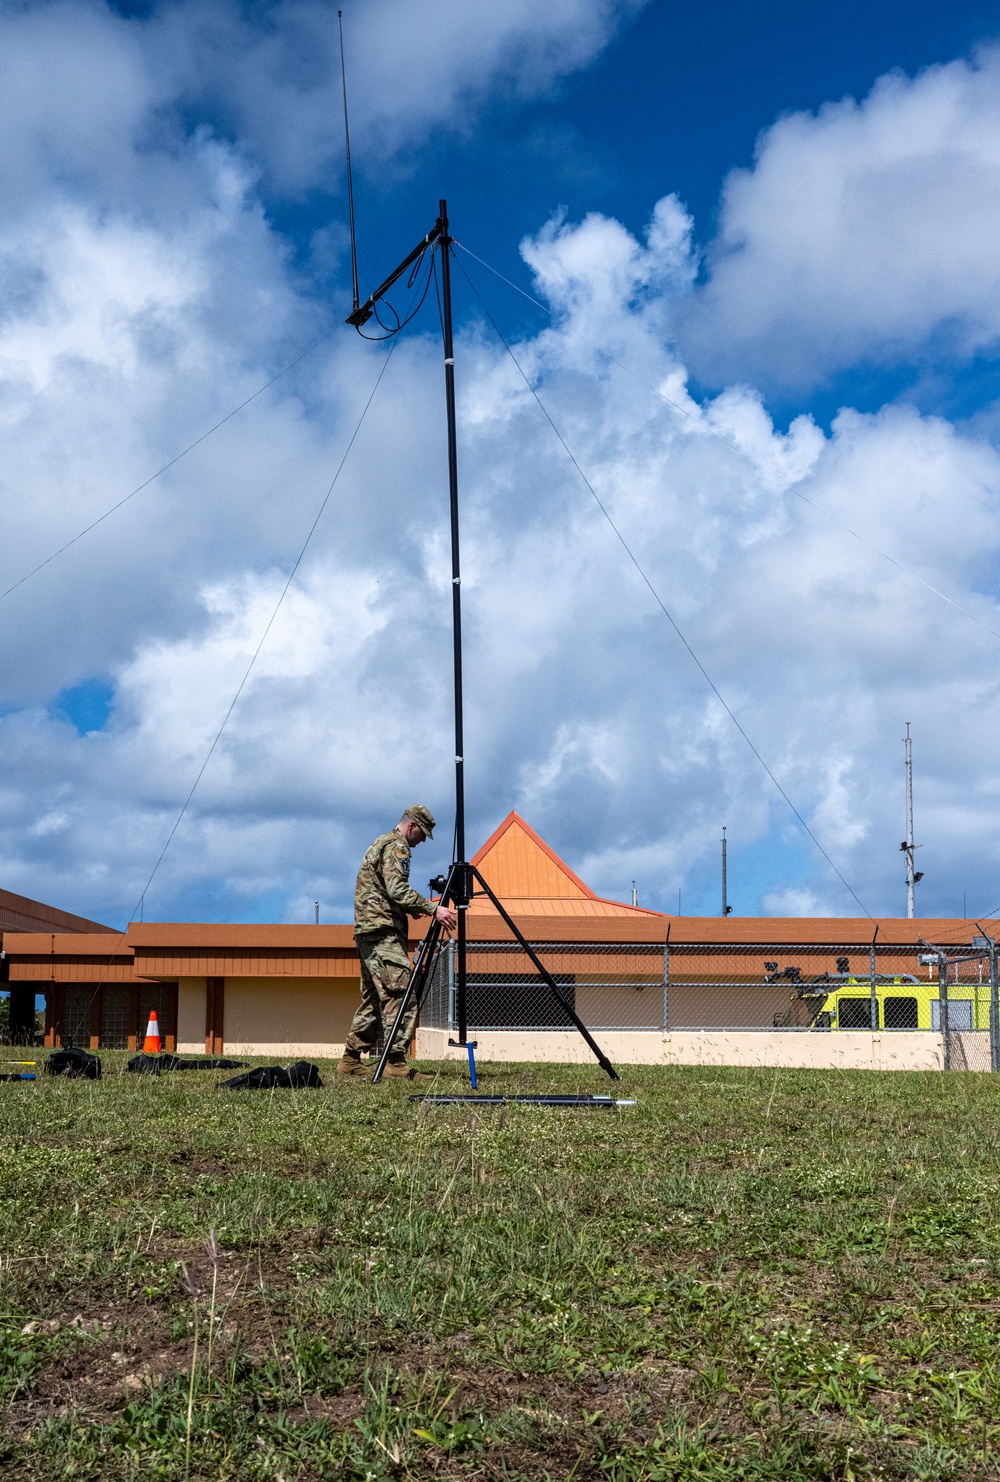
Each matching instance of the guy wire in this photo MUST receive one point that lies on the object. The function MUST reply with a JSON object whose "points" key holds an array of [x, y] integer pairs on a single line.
{"points": [[176, 459], [660, 603], [312, 530], [714, 432], [274, 614], [256, 653]]}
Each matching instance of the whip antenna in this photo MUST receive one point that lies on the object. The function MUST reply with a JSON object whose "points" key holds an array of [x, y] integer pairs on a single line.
{"points": [[350, 183]]}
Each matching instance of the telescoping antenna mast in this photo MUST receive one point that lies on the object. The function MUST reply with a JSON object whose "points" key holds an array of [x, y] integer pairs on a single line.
{"points": [[726, 907], [908, 847], [462, 876]]}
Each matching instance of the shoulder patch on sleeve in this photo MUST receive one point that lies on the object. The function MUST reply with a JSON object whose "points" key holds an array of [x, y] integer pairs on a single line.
{"points": [[403, 860]]}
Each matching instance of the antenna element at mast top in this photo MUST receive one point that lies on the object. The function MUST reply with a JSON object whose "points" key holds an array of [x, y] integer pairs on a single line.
{"points": [[350, 182]]}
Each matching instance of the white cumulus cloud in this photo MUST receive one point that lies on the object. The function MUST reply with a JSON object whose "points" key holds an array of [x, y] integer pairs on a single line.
{"points": [[867, 232], [270, 75], [146, 292]]}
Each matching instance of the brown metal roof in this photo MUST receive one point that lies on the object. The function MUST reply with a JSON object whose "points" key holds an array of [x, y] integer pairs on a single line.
{"points": [[146, 935], [170, 950], [779, 931], [185, 950], [487, 927], [54, 957], [835, 930], [21, 913]]}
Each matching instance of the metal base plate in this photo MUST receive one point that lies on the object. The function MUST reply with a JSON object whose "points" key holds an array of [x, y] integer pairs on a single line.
{"points": [[460, 1100]]}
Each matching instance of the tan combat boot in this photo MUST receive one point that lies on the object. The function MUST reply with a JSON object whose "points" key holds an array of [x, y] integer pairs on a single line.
{"points": [[398, 1067], [350, 1063]]}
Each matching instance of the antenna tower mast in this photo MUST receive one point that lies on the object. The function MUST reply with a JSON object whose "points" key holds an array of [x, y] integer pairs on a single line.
{"points": [[463, 877], [726, 907], [908, 847]]}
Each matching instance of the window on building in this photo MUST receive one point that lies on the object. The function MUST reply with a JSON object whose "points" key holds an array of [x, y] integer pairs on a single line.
{"points": [[114, 1016], [110, 1016], [76, 1005]]}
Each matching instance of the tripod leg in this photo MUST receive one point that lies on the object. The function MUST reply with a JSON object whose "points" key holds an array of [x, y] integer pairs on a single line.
{"points": [[571, 1013], [418, 980]]}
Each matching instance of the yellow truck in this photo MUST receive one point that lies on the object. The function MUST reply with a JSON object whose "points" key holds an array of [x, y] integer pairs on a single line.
{"points": [[904, 1002]]}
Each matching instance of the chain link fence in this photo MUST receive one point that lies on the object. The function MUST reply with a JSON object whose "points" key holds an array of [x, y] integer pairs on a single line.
{"points": [[967, 1009], [809, 988], [611, 985]]}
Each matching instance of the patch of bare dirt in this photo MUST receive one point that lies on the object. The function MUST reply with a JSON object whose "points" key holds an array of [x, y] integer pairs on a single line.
{"points": [[129, 1343]]}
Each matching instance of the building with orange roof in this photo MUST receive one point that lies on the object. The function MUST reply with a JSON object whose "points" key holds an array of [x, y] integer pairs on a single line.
{"points": [[19, 914], [531, 879], [653, 987]]}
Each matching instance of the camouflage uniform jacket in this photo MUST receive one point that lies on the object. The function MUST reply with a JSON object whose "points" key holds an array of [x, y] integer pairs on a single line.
{"points": [[383, 896]]}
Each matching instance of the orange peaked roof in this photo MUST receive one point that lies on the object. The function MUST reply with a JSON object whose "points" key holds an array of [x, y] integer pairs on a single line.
{"points": [[532, 880]]}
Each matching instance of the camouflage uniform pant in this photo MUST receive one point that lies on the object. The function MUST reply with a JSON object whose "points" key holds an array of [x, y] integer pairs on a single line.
{"points": [[385, 972]]}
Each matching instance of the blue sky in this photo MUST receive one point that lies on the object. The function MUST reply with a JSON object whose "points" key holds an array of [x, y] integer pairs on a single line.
{"points": [[674, 103], [784, 220]]}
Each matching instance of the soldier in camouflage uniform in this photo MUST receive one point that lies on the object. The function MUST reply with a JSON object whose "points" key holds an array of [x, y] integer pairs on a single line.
{"points": [[383, 898]]}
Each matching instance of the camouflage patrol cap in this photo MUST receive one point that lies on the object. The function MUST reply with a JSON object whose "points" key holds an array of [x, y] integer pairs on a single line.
{"points": [[422, 817]]}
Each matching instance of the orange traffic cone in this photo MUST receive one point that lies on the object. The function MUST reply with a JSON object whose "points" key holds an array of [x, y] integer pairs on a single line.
{"points": [[151, 1044]]}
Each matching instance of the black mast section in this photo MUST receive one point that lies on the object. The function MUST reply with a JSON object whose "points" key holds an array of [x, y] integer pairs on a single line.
{"points": [[462, 882], [459, 885]]}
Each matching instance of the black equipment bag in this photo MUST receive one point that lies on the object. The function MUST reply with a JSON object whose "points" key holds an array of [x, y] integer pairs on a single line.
{"points": [[273, 1077], [77, 1064], [157, 1064]]}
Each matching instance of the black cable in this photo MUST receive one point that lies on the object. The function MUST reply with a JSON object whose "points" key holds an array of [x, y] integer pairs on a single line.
{"points": [[660, 603], [714, 432], [437, 295], [154, 476], [401, 324], [390, 329]]}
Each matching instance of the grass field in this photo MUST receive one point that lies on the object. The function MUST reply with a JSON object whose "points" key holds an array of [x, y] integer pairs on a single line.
{"points": [[747, 1275]]}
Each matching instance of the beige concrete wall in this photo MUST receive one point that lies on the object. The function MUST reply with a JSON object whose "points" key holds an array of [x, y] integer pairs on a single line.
{"points": [[843, 1050], [191, 1016], [289, 1018]]}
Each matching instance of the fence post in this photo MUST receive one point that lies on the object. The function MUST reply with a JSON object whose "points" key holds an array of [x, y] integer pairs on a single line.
{"points": [[666, 982], [943, 1008], [994, 1011], [874, 1002], [451, 985]]}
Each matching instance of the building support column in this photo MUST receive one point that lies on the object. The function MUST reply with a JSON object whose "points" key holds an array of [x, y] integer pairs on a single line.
{"points": [[215, 1015], [53, 1015], [22, 1014]]}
